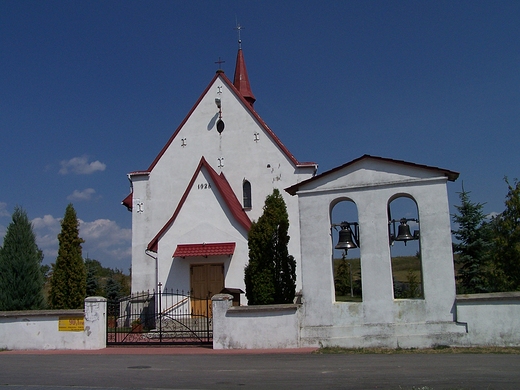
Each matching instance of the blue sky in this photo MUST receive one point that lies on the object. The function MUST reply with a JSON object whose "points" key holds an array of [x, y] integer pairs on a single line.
{"points": [[92, 90]]}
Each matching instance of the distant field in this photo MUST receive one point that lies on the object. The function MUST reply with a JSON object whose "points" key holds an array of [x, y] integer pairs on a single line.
{"points": [[400, 267]]}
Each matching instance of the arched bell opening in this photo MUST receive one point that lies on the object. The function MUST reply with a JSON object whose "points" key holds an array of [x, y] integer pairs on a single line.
{"points": [[405, 247], [346, 242]]}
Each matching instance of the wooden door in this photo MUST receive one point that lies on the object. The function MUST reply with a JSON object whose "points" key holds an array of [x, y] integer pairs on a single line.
{"points": [[206, 281]]}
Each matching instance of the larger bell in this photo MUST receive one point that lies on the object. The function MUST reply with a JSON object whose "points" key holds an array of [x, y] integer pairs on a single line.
{"points": [[403, 233], [345, 240]]}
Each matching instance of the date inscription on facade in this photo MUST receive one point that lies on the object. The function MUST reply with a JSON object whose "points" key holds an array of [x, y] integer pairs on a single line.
{"points": [[204, 186]]}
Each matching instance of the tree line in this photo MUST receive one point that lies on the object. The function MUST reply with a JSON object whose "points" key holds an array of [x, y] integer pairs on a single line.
{"points": [[26, 284], [487, 256], [487, 250]]}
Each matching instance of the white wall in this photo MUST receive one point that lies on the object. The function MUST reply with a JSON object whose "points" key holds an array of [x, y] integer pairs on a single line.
{"points": [[491, 319], [254, 327], [378, 304], [379, 320], [38, 329]]}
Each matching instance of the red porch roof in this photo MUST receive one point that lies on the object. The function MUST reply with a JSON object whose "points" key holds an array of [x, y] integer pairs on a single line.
{"points": [[205, 249]]}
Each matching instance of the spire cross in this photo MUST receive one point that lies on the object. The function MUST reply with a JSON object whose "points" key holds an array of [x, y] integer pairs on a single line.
{"points": [[239, 28]]}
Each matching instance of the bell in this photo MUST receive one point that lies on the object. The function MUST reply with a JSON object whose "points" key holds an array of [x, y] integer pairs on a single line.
{"points": [[404, 233], [345, 239]]}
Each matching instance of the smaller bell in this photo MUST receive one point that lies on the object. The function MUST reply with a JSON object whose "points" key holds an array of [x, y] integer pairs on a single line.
{"points": [[404, 233], [345, 240]]}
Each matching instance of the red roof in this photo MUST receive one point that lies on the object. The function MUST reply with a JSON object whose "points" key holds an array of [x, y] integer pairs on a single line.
{"points": [[205, 249], [451, 175], [127, 202], [241, 80], [225, 190]]}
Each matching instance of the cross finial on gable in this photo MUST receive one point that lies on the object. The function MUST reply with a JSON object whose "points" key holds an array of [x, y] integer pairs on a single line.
{"points": [[219, 62]]}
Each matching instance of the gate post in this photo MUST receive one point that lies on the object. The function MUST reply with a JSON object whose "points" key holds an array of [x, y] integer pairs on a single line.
{"points": [[96, 322], [221, 303]]}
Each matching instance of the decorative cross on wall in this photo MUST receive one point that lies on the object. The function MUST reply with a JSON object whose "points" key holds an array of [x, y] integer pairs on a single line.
{"points": [[257, 136], [183, 142], [220, 162]]}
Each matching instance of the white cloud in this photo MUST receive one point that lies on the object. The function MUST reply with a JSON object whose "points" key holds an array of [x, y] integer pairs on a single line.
{"points": [[3, 213], [104, 232], [47, 230], [107, 242], [492, 215], [81, 166], [104, 239], [86, 194], [3, 210]]}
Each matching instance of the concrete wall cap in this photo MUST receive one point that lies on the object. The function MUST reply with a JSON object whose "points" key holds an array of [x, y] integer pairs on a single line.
{"points": [[42, 313], [500, 296], [265, 308], [222, 297], [95, 299]]}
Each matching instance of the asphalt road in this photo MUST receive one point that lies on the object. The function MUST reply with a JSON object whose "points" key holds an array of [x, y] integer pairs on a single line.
{"points": [[133, 369]]}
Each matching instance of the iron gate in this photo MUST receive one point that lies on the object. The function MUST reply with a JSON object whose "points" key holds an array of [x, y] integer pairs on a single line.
{"points": [[163, 317]]}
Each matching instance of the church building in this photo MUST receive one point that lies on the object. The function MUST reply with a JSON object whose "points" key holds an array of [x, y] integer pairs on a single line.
{"points": [[193, 207]]}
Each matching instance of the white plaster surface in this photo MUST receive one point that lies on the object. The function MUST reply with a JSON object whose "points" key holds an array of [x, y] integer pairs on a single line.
{"points": [[379, 319], [248, 152], [39, 329], [254, 327], [491, 319]]}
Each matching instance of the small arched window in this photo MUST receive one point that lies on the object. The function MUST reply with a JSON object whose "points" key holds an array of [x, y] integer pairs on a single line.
{"points": [[246, 194]]}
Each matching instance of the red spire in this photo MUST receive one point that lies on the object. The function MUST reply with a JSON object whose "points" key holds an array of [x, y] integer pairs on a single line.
{"points": [[241, 81]]}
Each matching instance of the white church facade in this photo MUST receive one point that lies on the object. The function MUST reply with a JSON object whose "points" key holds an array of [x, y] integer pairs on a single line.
{"points": [[193, 207]]}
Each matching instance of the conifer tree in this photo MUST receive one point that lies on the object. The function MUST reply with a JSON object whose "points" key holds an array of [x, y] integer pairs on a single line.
{"points": [[473, 246], [92, 283], [342, 277], [68, 282], [21, 280], [506, 234], [113, 291], [270, 275]]}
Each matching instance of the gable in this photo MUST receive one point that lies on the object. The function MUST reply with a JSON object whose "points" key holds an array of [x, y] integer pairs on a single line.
{"points": [[206, 186], [208, 108], [369, 171]]}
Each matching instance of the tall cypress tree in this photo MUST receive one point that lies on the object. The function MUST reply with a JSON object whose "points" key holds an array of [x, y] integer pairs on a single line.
{"points": [[270, 275], [68, 282], [21, 281]]}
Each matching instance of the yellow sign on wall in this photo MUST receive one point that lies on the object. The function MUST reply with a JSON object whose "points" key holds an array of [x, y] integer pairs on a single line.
{"points": [[71, 324]]}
